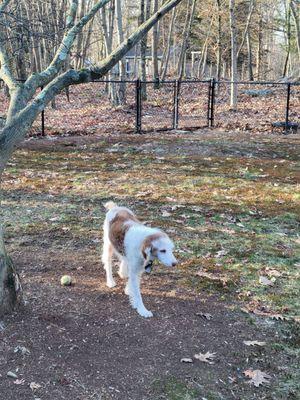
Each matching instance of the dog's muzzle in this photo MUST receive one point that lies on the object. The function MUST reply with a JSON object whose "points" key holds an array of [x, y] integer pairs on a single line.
{"points": [[148, 267]]}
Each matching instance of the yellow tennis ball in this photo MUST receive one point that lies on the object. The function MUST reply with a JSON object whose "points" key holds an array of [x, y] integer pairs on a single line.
{"points": [[66, 280]]}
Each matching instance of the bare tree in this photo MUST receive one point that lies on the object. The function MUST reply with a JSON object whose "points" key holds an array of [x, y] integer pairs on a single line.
{"points": [[288, 38], [165, 65], [219, 37], [233, 91], [155, 73], [122, 62], [295, 9], [186, 33], [25, 105]]}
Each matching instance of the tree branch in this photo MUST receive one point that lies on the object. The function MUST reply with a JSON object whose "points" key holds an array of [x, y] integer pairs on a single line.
{"points": [[72, 14], [5, 70], [3, 5], [251, 9], [44, 77]]}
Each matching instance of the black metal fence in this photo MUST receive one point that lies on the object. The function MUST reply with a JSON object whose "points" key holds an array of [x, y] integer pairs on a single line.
{"points": [[169, 105]]}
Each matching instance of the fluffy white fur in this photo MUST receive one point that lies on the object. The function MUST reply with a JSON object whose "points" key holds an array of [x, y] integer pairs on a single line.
{"points": [[141, 245]]}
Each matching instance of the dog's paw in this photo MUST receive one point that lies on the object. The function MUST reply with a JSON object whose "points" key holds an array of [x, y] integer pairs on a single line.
{"points": [[111, 284], [145, 313], [126, 290]]}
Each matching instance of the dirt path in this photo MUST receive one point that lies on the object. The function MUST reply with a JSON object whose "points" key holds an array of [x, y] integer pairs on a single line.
{"points": [[85, 342]]}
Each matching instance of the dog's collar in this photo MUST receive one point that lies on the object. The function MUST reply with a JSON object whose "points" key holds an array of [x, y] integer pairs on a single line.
{"points": [[148, 266]]}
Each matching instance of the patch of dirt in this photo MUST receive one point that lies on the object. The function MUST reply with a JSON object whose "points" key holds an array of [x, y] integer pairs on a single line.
{"points": [[86, 342]]}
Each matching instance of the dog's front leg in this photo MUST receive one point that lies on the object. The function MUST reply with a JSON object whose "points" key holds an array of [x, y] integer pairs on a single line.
{"points": [[133, 288]]}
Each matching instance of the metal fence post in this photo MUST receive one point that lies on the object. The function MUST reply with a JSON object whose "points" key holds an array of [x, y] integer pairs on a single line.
{"points": [[212, 99], [287, 111], [138, 104], [176, 104], [209, 104], [43, 118]]}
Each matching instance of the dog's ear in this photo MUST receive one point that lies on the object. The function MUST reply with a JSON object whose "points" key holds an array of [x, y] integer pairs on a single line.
{"points": [[148, 249], [146, 252]]}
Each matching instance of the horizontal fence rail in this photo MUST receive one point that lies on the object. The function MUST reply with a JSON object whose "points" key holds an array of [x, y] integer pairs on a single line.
{"points": [[143, 106]]}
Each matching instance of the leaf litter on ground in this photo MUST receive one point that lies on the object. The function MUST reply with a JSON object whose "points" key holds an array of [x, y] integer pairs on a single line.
{"points": [[257, 376], [253, 343], [206, 357]]}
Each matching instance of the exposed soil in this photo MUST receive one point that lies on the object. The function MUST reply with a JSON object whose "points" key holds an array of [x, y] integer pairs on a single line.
{"points": [[86, 342]]}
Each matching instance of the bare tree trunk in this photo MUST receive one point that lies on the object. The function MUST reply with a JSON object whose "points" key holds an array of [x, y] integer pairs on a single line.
{"points": [[78, 55], [186, 34], [203, 60], [250, 13], [144, 14], [108, 30], [219, 36], [233, 91], [288, 39], [295, 9], [259, 50], [10, 287], [168, 51], [155, 72], [122, 62], [249, 48]]}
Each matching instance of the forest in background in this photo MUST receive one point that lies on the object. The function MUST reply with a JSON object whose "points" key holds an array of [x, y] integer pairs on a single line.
{"points": [[225, 39]]}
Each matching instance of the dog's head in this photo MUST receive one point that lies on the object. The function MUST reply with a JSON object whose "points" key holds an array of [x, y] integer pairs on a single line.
{"points": [[159, 246]]}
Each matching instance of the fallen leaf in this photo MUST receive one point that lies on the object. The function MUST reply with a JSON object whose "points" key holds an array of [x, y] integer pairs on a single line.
{"points": [[257, 376], [11, 374], [212, 277], [204, 315], [207, 357], [171, 199], [19, 381], [21, 349], [34, 386], [253, 343], [263, 280], [273, 272], [221, 253], [186, 360]]}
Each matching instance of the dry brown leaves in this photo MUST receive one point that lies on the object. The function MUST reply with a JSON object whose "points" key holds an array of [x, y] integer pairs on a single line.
{"points": [[253, 343], [257, 376], [207, 357]]}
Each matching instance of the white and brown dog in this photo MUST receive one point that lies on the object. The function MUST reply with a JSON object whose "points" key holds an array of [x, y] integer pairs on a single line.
{"points": [[136, 246]]}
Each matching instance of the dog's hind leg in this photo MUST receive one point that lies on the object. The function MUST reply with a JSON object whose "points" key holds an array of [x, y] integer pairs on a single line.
{"points": [[123, 269], [107, 261]]}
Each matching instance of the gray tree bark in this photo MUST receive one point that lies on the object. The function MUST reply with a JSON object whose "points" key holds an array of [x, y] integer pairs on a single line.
{"points": [[164, 68], [219, 37], [295, 9], [233, 89], [155, 73], [10, 286], [186, 33]]}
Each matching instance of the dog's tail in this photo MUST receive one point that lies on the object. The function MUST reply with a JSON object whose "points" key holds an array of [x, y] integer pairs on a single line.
{"points": [[109, 205]]}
